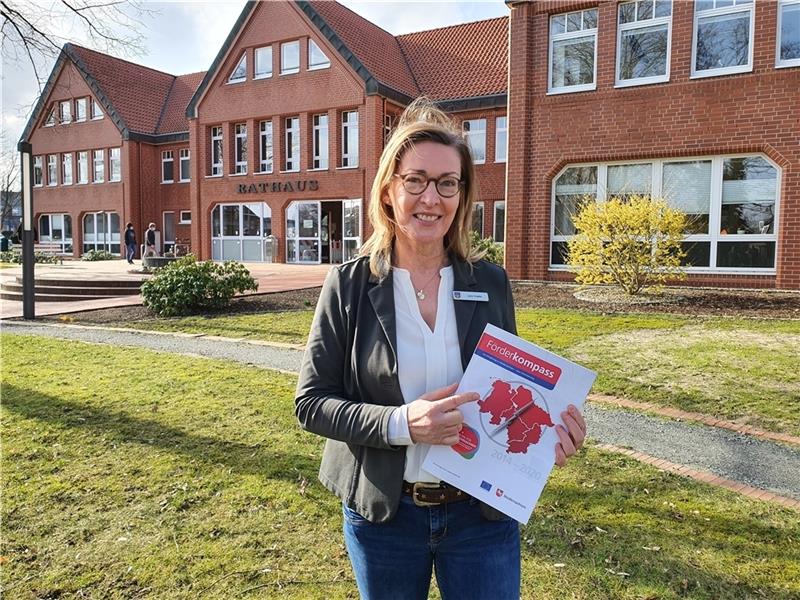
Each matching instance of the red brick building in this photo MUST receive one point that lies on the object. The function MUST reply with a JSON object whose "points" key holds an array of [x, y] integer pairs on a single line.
{"points": [[698, 102], [280, 138]]}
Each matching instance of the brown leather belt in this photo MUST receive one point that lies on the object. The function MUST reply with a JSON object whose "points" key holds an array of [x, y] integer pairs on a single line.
{"points": [[433, 494]]}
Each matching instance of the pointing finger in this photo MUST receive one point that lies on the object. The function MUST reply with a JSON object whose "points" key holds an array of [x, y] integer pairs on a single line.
{"points": [[453, 402], [440, 393]]}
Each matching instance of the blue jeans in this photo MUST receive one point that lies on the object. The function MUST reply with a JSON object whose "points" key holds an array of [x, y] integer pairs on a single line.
{"points": [[472, 557], [131, 251]]}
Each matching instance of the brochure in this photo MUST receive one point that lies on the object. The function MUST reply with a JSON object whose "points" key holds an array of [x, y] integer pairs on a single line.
{"points": [[507, 445]]}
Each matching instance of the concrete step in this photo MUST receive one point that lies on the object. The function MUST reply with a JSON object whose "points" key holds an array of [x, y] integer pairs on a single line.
{"points": [[72, 291], [85, 283], [17, 297]]}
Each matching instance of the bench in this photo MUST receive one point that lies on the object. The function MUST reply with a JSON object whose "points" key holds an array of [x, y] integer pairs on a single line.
{"points": [[54, 248]]}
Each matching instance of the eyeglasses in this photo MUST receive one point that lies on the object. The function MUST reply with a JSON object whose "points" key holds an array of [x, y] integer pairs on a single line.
{"points": [[416, 183]]}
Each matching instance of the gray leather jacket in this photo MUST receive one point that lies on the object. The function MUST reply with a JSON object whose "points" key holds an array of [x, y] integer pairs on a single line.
{"points": [[348, 384]]}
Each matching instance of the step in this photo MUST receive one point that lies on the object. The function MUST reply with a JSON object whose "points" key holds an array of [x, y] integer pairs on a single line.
{"points": [[86, 283], [17, 296], [72, 291]]}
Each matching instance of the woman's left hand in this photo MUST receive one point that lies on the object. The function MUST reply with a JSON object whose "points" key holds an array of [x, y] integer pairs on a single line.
{"points": [[570, 438]]}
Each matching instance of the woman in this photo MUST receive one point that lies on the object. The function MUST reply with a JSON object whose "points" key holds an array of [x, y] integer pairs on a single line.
{"points": [[384, 356], [130, 242]]}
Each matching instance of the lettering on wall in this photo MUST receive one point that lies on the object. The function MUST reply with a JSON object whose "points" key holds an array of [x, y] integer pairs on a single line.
{"points": [[299, 185]]}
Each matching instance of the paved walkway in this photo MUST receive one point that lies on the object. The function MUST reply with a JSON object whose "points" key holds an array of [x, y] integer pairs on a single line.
{"points": [[277, 277], [708, 451]]}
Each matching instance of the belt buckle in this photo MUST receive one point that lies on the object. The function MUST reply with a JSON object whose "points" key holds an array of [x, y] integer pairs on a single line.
{"points": [[423, 485]]}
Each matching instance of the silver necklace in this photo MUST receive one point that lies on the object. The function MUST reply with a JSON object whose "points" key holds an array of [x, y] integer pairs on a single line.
{"points": [[421, 291]]}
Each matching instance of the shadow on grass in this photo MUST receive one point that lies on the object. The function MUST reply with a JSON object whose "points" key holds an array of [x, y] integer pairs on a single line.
{"points": [[117, 426]]}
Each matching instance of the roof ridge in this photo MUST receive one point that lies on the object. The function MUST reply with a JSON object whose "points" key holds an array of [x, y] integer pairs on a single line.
{"points": [[130, 62], [404, 35], [164, 105]]}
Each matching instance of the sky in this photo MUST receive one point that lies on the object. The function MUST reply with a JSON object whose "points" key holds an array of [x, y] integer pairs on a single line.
{"points": [[185, 36]]}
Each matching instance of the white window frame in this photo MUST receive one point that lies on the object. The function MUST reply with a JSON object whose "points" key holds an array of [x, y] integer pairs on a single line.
{"points": [[266, 142], [291, 137], [98, 166], [740, 6], [65, 242], [472, 133], [82, 171], [643, 24], [115, 164], [259, 72], [38, 167], [290, 70], [97, 110], [216, 135], [184, 155], [240, 149], [167, 158], [78, 103], [319, 156], [713, 236], [320, 65], [495, 208], [351, 156], [66, 169], [65, 112], [50, 121], [183, 219], [498, 156], [790, 62], [567, 35], [52, 170], [242, 62]]}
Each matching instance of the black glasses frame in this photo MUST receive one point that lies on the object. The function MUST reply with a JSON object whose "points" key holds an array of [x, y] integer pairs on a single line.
{"points": [[428, 180]]}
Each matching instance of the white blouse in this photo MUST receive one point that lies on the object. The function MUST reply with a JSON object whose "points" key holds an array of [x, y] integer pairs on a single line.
{"points": [[426, 360]]}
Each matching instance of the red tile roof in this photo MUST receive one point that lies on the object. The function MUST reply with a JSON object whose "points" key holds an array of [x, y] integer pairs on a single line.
{"points": [[460, 61], [174, 118]]}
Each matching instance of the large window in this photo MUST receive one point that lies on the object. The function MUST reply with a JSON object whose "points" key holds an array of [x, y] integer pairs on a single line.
{"points": [[475, 134], [290, 58], [52, 169], [573, 51], [238, 232], [57, 229], [350, 138], [83, 167], [80, 109], [500, 222], [292, 144], [167, 167], [216, 151], [500, 139], [265, 147], [263, 62], [643, 42], [789, 33], [101, 232], [115, 164], [239, 72], [98, 166], [185, 164], [37, 171], [731, 203], [316, 57], [723, 37], [240, 139], [66, 168], [319, 139]]}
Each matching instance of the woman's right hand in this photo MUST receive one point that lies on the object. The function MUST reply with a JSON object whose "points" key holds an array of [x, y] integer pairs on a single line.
{"points": [[434, 418]]}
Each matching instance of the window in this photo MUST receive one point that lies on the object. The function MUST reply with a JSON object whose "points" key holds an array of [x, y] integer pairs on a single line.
{"points": [[573, 51], [320, 142], [101, 232], [500, 222], [500, 139], [239, 72], [83, 167], [57, 229], [97, 112], [66, 169], [265, 149], [263, 62], [477, 218], [789, 33], [65, 112], [643, 42], [185, 164], [52, 168], [240, 141], [350, 138], [316, 57], [98, 166], [216, 151], [37, 171], [167, 167], [290, 58], [51, 118], [686, 185], [388, 127], [723, 37], [625, 181], [185, 216], [475, 134], [80, 110], [115, 164], [292, 146]]}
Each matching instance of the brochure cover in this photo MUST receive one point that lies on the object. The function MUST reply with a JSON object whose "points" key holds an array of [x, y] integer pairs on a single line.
{"points": [[507, 445]]}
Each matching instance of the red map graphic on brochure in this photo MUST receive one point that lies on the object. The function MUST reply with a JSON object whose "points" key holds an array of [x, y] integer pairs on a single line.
{"points": [[503, 403]]}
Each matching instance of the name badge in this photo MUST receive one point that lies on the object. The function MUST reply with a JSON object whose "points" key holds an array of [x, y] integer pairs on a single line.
{"points": [[471, 296]]}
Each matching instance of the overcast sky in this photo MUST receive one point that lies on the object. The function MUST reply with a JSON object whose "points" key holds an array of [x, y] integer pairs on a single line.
{"points": [[185, 36]]}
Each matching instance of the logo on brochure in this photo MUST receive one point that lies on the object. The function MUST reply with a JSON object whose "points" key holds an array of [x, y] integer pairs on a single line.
{"points": [[468, 442], [485, 485], [498, 493]]}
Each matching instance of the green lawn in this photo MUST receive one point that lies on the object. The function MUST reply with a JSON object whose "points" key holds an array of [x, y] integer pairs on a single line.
{"points": [[737, 369], [129, 473]]}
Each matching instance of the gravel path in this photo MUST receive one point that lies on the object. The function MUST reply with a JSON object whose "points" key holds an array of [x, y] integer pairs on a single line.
{"points": [[758, 463]]}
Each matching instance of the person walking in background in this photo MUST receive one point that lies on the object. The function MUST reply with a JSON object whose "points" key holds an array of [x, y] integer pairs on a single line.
{"points": [[150, 240], [130, 242]]}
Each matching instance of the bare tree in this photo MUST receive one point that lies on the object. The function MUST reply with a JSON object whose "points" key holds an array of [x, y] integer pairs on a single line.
{"points": [[9, 180], [34, 31]]}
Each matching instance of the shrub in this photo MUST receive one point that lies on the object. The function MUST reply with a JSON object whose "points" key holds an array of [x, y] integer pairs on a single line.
{"points": [[634, 243], [94, 254], [15, 256], [492, 251], [186, 286]]}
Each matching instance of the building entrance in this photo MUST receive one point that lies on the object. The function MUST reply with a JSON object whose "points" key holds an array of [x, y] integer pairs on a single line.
{"points": [[323, 231]]}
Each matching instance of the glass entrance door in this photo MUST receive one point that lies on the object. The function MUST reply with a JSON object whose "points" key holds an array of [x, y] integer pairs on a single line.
{"points": [[351, 228], [169, 231], [303, 232], [238, 231]]}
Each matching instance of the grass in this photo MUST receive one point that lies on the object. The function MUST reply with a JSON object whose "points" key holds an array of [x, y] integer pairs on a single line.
{"points": [[130, 473], [736, 369]]}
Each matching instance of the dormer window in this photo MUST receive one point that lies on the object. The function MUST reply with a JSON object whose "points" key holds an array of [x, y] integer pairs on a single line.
{"points": [[316, 57], [263, 62], [240, 72], [290, 58]]}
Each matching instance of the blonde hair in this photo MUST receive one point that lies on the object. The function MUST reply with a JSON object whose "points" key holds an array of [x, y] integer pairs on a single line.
{"points": [[421, 121]]}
